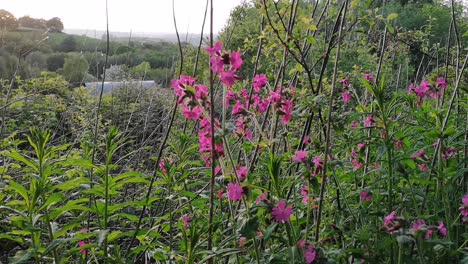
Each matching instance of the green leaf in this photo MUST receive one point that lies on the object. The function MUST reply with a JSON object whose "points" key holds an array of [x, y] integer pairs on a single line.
{"points": [[22, 256], [55, 244], [114, 235], [20, 190], [250, 227], [18, 157], [392, 16]]}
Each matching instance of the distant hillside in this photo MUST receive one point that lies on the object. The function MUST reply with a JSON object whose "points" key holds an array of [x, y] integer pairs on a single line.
{"points": [[192, 38]]}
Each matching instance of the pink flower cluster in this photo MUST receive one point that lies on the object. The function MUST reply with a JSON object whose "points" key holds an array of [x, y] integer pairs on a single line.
{"points": [[425, 89], [282, 101], [225, 64], [356, 155], [310, 254], [365, 196], [464, 208], [420, 224], [345, 95], [420, 156]]}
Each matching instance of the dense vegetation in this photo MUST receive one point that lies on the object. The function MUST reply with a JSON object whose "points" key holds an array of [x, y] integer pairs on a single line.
{"points": [[329, 132]]}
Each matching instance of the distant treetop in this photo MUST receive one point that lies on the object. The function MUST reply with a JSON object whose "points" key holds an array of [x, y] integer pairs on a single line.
{"points": [[7, 20]]}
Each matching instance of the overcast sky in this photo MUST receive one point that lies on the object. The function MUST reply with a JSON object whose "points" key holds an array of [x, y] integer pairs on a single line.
{"points": [[124, 15]]}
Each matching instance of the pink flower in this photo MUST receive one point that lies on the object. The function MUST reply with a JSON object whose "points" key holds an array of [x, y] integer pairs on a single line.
{"points": [[216, 49], [418, 225], [228, 78], [301, 243], [365, 196], [194, 113], [361, 145], [236, 60], [369, 121], [419, 154], [202, 91], [260, 80], [260, 198], [234, 191], [81, 244], [300, 156], [220, 193], [187, 220], [306, 140], [399, 144], [353, 124], [345, 81], [286, 108], [442, 229], [230, 96], [242, 173], [281, 213], [464, 208], [259, 234], [242, 242], [389, 218], [428, 234], [275, 96], [368, 76], [238, 108], [441, 82], [346, 97], [310, 254], [357, 165], [318, 163], [422, 167]]}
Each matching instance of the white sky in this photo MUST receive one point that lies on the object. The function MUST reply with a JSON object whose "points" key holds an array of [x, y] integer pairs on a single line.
{"points": [[124, 15]]}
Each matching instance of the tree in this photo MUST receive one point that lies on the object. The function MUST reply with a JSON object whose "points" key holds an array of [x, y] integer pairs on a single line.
{"points": [[55, 61], [55, 24], [7, 20], [68, 44], [142, 70], [75, 69], [27, 21]]}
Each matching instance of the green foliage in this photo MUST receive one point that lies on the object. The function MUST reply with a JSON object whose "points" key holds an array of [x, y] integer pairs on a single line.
{"points": [[75, 68]]}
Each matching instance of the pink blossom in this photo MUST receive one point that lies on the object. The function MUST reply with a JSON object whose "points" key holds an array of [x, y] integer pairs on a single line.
{"points": [[464, 208], [202, 91], [310, 254], [261, 198], [194, 113], [361, 145], [230, 96], [428, 234], [300, 156], [369, 121], [220, 193], [238, 108], [365, 196], [242, 242], [368, 76], [242, 173], [441, 82], [259, 234], [344, 81], [275, 96], [281, 213], [228, 78], [418, 225], [418, 154], [187, 220], [301, 243], [346, 97], [442, 229], [236, 60], [260, 80], [354, 124], [422, 167], [216, 49], [318, 163], [81, 245], [286, 108], [399, 144], [234, 191], [306, 140], [389, 218], [357, 165]]}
